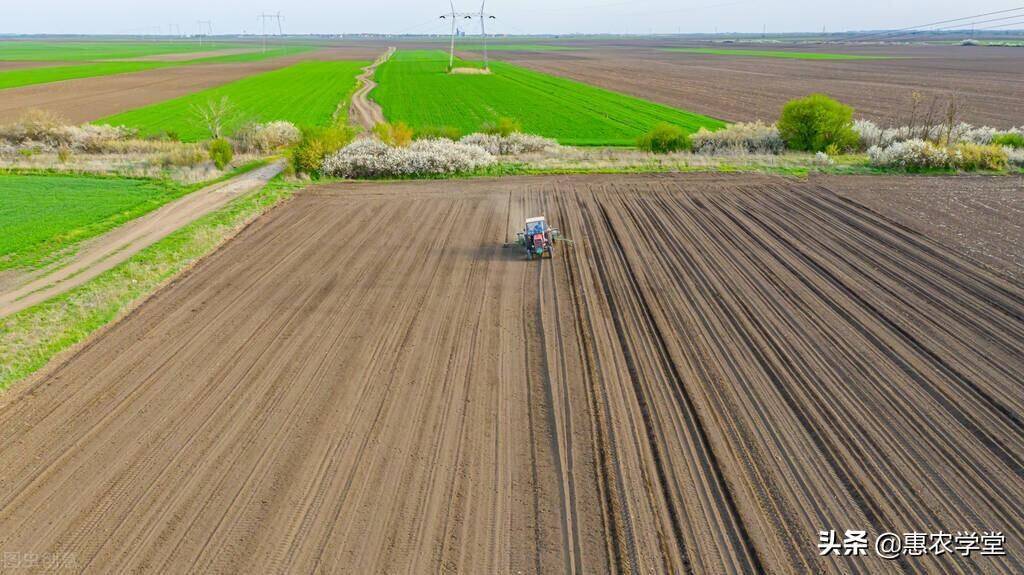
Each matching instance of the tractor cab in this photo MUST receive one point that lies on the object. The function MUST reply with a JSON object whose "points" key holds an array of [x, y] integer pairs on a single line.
{"points": [[536, 226], [537, 238]]}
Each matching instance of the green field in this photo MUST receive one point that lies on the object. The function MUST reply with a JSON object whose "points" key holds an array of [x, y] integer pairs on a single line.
{"points": [[91, 51], [81, 53], [415, 88], [46, 74], [775, 54], [41, 216], [306, 94]]}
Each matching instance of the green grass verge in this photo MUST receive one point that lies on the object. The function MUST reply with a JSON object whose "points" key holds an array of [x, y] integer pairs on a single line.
{"points": [[306, 94], [46, 74], [43, 216], [111, 50], [784, 54], [32, 337], [414, 87]]}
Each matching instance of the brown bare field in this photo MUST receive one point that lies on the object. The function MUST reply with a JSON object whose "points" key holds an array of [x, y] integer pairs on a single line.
{"points": [[988, 81], [89, 99], [4, 65], [186, 56], [367, 380], [980, 216]]}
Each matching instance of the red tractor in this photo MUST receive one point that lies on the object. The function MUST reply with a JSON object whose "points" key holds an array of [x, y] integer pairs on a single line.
{"points": [[537, 238]]}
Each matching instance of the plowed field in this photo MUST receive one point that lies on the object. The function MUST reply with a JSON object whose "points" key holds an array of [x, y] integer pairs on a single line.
{"points": [[988, 82], [367, 380]]}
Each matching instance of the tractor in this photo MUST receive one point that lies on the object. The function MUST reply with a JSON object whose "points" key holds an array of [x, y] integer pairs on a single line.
{"points": [[537, 238]]}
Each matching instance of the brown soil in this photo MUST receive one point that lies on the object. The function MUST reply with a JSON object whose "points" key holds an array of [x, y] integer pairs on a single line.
{"points": [[118, 245], [982, 217], [989, 81], [363, 111], [367, 381], [4, 66], [186, 56]]}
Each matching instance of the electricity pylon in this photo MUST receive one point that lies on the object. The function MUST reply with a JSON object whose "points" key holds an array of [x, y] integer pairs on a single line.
{"points": [[263, 23], [208, 24], [455, 16]]}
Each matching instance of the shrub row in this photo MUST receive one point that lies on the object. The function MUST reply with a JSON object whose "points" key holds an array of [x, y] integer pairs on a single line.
{"points": [[374, 159], [870, 134], [511, 144], [917, 155], [752, 138]]}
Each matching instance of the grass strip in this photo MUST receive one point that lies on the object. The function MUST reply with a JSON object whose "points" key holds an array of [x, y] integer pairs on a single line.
{"points": [[42, 217], [32, 337]]}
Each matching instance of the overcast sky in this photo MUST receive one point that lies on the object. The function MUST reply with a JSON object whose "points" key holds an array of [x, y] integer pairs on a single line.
{"points": [[513, 17]]}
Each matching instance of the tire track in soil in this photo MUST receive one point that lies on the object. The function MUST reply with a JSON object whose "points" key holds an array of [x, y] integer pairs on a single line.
{"points": [[366, 380]]}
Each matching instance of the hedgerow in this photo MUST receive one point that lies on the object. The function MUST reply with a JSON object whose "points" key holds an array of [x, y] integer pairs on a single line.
{"points": [[753, 138], [373, 159]]}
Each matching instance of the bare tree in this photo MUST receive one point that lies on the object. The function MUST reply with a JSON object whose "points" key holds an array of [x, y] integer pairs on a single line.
{"points": [[952, 117], [215, 115]]}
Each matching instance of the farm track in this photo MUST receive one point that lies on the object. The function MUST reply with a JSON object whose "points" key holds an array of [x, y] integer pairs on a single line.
{"points": [[120, 244], [363, 111], [366, 380]]}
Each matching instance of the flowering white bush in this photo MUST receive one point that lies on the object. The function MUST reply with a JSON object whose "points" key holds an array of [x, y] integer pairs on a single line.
{"points": [[265, 138], [873, 135], [911, 154], [967, 133], [1015, 156], [512, 144], [754, 138], [41, 131], [919, 154], [372, 159]]}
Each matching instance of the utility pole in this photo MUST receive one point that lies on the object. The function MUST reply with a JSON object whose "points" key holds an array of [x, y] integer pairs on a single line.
{"points": [[454, 16]]}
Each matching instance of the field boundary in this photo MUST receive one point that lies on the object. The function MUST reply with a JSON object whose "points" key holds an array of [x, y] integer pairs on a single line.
{"points": [[121, 243], [363, 110]]}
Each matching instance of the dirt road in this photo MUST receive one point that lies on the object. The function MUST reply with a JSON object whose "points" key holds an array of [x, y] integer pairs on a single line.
{"points": [[118, 245], [367, 381], [363, 111]]}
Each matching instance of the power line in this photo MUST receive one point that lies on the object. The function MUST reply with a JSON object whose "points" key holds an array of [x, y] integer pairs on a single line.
{"points": [[1018, 22], [912, 28], [958, 26], [455, 16]]}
